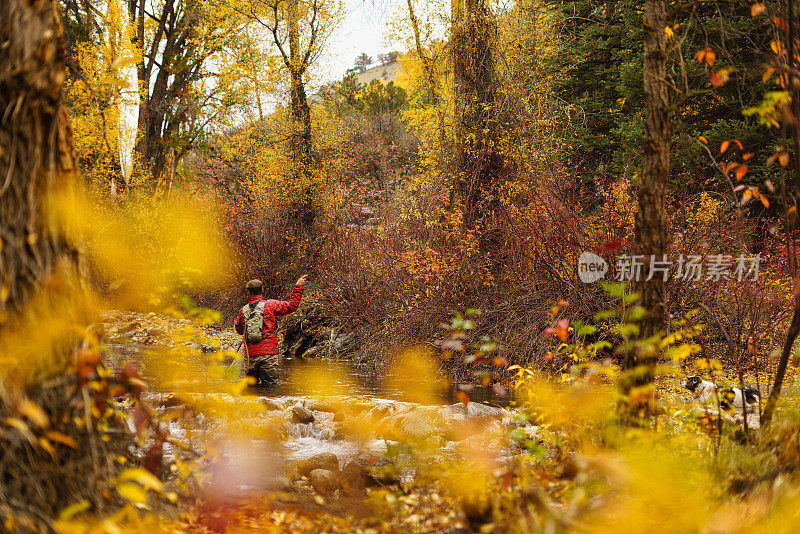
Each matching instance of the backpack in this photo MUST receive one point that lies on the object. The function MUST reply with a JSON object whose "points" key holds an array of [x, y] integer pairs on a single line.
{"points": [[253, 315]]}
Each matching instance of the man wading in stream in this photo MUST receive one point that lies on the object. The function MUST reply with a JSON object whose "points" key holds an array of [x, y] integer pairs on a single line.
{"points": [[258, 321]]}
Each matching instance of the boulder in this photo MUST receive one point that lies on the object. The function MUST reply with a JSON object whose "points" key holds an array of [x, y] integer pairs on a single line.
{"points": [[156, 333], [312, 352], [343, 342], [471, 412], [367, 471], [301, 414], [323, 481], [319, 405], [117, 315], [272, 404], [130, 327], [325, 460], [423, 422]]}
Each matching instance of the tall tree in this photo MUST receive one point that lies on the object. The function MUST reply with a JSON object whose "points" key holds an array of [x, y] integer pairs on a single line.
{"points": [[428, 63], [785, 63], [362, 62], [598, 73], [298, 63], [99, 57], [184, 45], [650, 218], [298, 28], [36, 156], [479, 166]]}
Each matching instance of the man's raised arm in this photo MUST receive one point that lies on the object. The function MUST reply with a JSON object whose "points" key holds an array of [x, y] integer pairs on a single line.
{"points": [[283, 307]]}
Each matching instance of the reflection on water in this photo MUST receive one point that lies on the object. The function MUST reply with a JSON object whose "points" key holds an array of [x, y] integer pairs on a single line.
{"points": [[368, 382]]}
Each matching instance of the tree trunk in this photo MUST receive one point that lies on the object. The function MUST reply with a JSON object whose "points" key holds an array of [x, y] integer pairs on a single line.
{"points": [[301, 120], [794, 328], [36, 156], [430, 73], [650, 223], [300, 144], [636, 384], [479, 167]]}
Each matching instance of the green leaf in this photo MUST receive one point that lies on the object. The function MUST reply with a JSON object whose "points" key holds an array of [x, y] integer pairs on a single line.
{"points": [[625, 330], [630, 298], [586, 330], [614, 289], [636, 313], [604, 315], [600, 345]]}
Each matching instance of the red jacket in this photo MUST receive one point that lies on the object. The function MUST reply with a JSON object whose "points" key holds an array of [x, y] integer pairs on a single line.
{"points": [[272, 310]]}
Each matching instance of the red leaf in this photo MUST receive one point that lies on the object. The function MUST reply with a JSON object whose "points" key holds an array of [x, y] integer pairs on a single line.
{"points": [[701, 55], [741, 171], [780, 23], [462, 397], [153, 457], [711, 57], [723, 147], [720, 77], [757, 9]]}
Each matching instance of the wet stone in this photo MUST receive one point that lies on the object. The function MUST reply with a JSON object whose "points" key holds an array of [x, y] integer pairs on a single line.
{"points": [[324, 460], [301, 414], [323, 481]]}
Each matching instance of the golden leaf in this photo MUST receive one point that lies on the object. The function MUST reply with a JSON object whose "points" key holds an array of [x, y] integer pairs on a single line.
{"points": [[74, 509], [131, 492], [143, 477], [46, 445], [58, 437], [33, 412]]}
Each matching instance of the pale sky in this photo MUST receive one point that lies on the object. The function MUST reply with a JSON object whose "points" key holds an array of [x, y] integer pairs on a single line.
{"points": [[363, 30]]}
